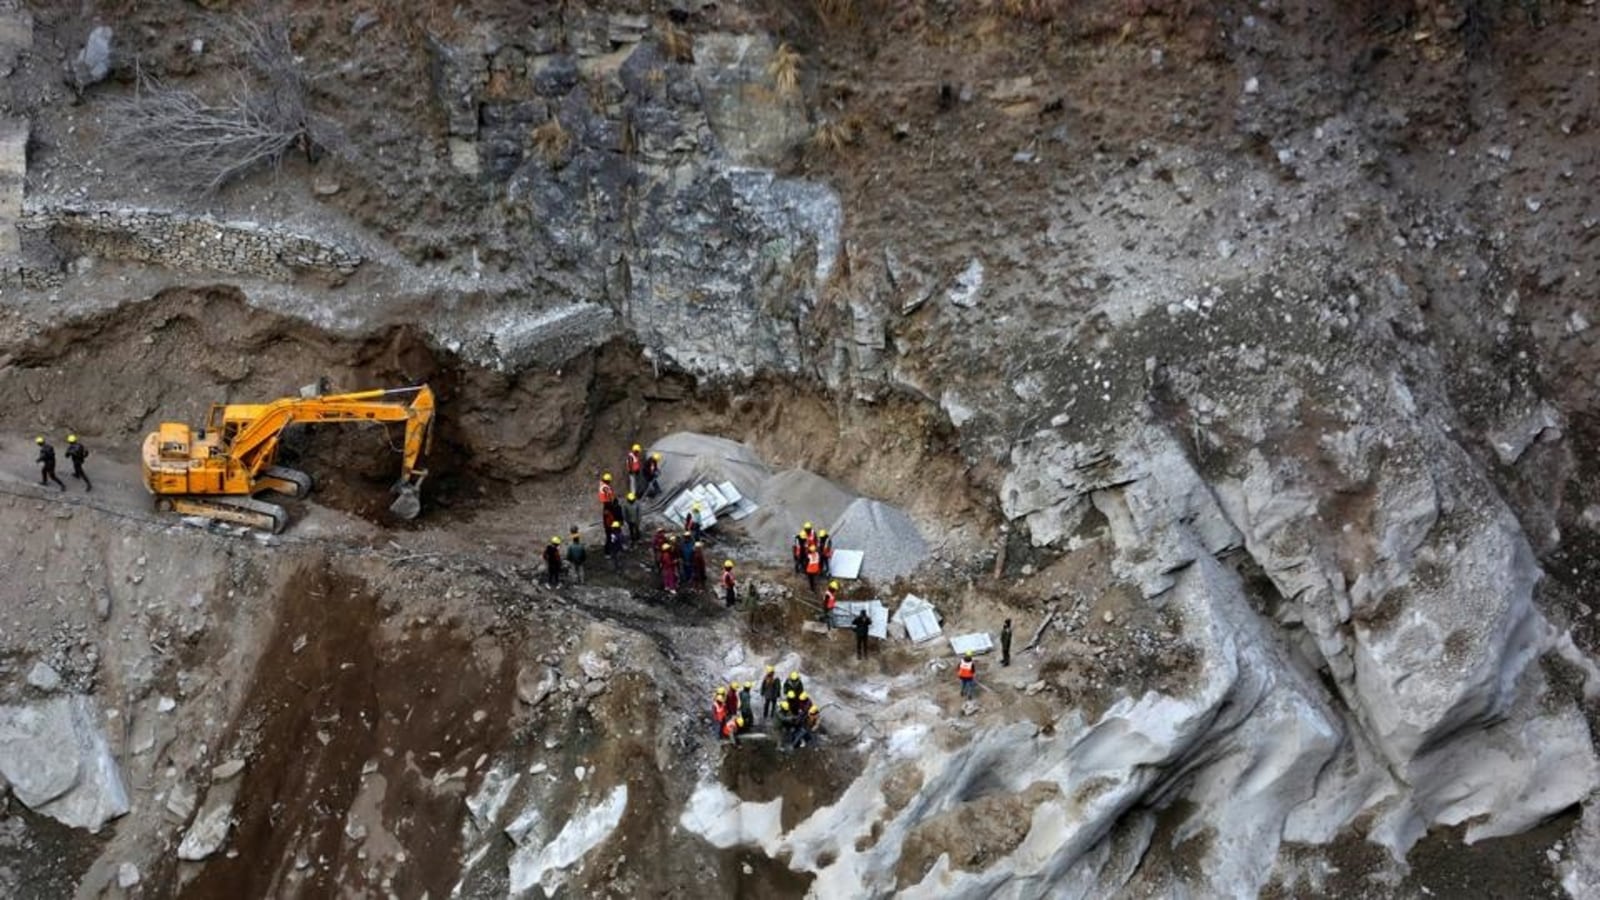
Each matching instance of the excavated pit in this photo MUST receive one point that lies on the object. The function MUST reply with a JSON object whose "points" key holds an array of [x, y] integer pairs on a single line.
{"points": [[539, 435]]}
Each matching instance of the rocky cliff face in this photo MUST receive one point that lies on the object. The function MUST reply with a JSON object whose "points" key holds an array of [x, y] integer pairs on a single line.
{"points": [[1269, 322]]}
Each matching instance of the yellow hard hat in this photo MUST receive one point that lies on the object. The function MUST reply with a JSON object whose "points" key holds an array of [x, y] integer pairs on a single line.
{"points": [[699, 543], [615, 525], [794, 674], [606, 477], [738, 720], [834, 585], [822, 533], [630, 496], [696, 506], [784, 705], [804, 696], [72, 439], [656, 457], [806, 527], [39, 439], [728, 564], [555, 540], [637, 448], [769, 668], [720, 692], [969, 654], [791, 695]]}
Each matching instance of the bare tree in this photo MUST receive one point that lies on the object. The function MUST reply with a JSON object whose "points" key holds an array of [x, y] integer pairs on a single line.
{"points": [[211, 141]]}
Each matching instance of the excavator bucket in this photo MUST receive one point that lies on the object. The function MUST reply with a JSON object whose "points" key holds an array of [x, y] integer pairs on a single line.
{"points": [[407, 502]]}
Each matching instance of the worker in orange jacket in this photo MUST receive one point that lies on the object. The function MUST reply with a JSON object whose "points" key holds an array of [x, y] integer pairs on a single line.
{"points": [[719, 711], [813, 567], [967, 671], [830, 600]]}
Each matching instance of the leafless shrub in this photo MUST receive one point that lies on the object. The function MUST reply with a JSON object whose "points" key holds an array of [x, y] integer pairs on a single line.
{"points": [[209, 142], [785, 69]]}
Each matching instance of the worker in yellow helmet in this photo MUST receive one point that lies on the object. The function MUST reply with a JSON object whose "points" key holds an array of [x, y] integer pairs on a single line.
{"points": [[770, 688], [77, 453], [552, 561], [793, 686], [47, 462], [635, 470], [630, 515], [728, 585], [652, 476]]}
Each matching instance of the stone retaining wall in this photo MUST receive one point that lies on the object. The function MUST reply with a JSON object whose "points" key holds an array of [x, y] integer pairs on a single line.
{"points": [[188, 243]]}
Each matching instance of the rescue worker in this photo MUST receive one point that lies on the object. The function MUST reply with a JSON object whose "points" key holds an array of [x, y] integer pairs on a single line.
{"points": [[968, 673], [686, 559], [825, 547], [691, 521], [787, 720], [728, 595], [813, 719], [813, 566], [793, 686], [614, 546], [697, 566], [744, 704], [606, 492], [1005, 644], [577, 555], [830, 601], [731, 729], [630, 515], [719, 711], [47, 463], [802, 725], [652, 475], [732, 693], [769, 693], [799, 553], [552, 561], [635, 470], [669, 568], [77, 452], [862, 624]]}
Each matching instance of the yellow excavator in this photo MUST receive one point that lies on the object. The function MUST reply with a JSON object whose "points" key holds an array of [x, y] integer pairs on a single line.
{"points": [[216, 471]]}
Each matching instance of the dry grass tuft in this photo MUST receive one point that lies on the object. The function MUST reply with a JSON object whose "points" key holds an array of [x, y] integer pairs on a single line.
{"points": [[832, 136], [785, 69], [676, 44], [552, 141]]}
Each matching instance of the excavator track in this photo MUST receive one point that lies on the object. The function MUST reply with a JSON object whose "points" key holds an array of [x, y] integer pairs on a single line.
{"points": [[246, 511], [291, 483]]}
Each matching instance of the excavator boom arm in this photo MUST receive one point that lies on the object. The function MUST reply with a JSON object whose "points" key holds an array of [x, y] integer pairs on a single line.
{"points": [[255, 444]]}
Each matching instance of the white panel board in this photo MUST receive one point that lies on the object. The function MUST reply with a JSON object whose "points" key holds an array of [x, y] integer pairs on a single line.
{"points": [[846, 611], [918, 617], [846, 564], [977, 642]]}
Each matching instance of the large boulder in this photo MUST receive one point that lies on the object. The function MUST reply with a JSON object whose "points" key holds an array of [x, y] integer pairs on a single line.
{"points": [[57, 761]]}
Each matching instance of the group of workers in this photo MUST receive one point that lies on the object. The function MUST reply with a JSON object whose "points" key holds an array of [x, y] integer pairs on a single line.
{"points": [[680, 562], [76, 452], [813, 554], [799, 718]]}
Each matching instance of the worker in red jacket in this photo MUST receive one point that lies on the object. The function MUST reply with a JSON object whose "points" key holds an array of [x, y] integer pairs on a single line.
{"points": [[830, 600], [635, 470], [728, 585]]}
